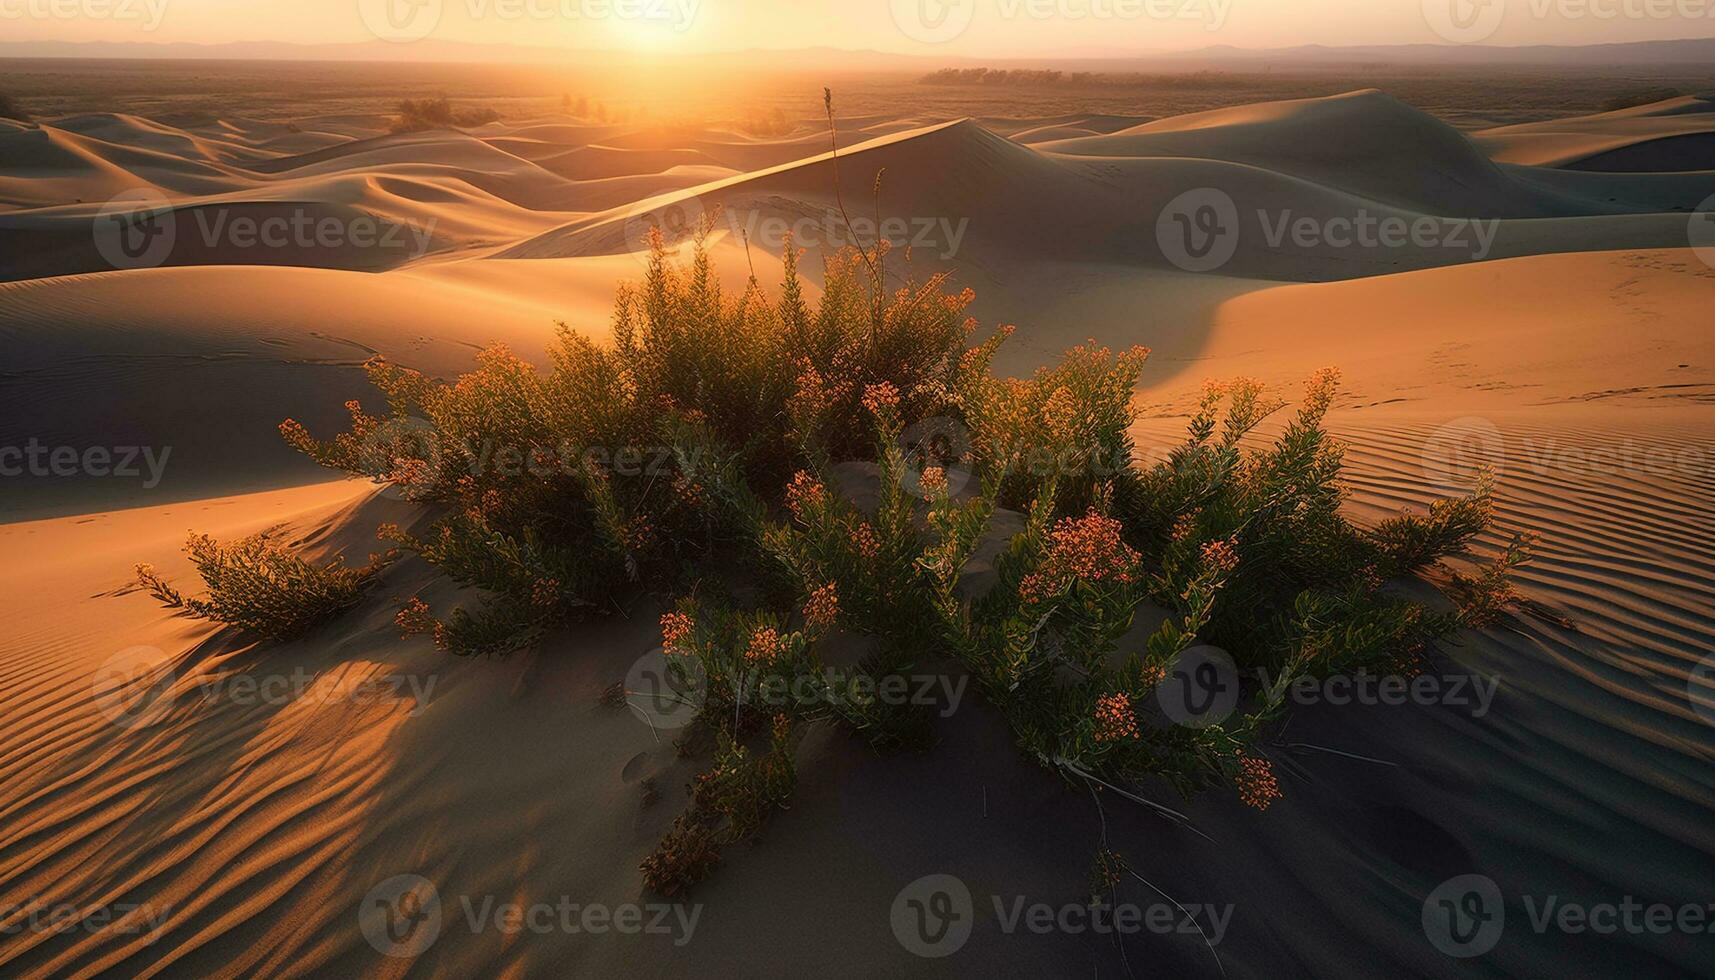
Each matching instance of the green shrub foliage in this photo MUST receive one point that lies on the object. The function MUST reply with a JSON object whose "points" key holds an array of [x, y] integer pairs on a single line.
{"points": [[709, 452]]}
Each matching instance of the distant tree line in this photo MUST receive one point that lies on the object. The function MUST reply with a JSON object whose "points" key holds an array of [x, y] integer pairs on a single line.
{"points": [[1084, 79]]}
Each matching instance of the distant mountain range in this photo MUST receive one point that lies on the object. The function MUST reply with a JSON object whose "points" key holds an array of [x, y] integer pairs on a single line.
{"points": [[1686, 51]]}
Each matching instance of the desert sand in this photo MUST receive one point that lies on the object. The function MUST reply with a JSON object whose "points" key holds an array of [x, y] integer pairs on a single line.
{"points": [[1573, 354]]}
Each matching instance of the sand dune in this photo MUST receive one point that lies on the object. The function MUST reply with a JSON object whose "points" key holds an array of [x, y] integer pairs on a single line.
{"points": [[551, 189], [1662, 136], [1577, 361], [1386, 151], [118, 359], [1547, 333]]}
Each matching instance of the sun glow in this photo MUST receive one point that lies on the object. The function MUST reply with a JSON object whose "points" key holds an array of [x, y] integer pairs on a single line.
{"points": [[663, 26]]}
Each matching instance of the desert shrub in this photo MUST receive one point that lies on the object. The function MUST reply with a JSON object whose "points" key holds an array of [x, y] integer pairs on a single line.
{"points": [[622, 465], [1066, 424], [263, 588], [1238, 541], [731, 803], [867, 559], [744, 789], [438, 112], [684, 857], [1483, 598], [10, 109], [758, 406]]}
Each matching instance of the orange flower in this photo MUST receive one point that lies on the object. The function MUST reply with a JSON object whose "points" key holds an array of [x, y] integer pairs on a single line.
{"points": [[803, 492], [415, 618], [1084, 549], [814, 396], [879, 398], [822, 609], [1220, 556], [1060, 413], [1114, 718], [765, 645], [1258, 787], [1153, 674], [675, 630], [1184, 526], [1319, 391], [545, 592], [1035, 587], [933, 480], [295, 434], [863, 539], [1090, 548], [637, 534]]}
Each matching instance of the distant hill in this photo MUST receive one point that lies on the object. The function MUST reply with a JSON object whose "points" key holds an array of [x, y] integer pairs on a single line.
{"points": [[1685, 51]]}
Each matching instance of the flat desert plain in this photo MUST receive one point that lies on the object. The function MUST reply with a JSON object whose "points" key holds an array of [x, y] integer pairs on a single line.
{"points": [[1534, 297]]}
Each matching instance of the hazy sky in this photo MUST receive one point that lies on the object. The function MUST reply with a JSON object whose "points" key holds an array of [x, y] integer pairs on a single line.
{"points": [[948, 27]]}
